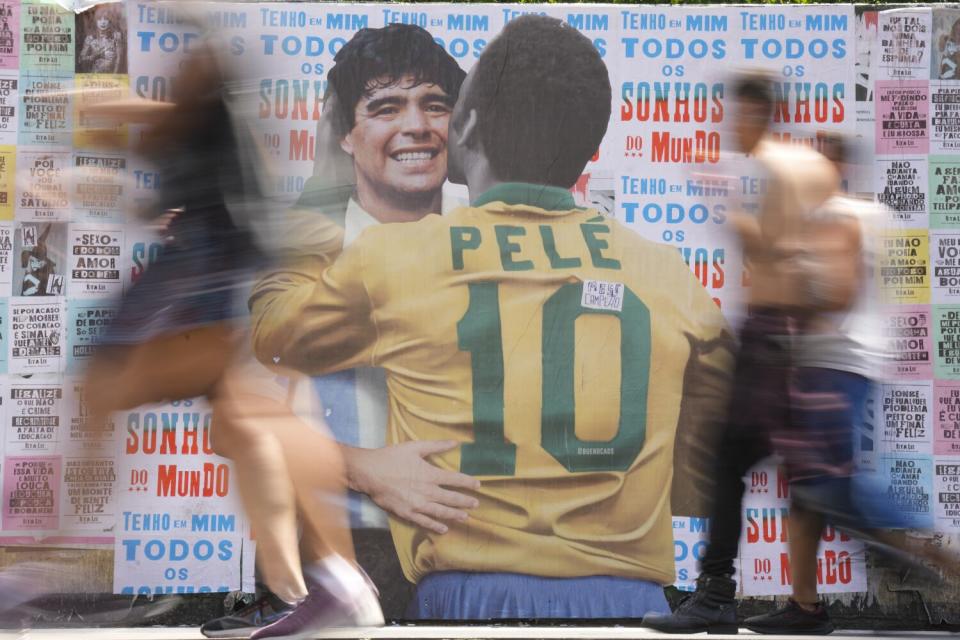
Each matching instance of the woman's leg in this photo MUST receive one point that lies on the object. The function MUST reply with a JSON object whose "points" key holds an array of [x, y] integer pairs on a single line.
{"points": [[170, 367], [267, 494], [256, 401]]}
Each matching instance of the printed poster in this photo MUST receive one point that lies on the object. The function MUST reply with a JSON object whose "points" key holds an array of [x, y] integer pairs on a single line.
{"points": [[95, 261], [31, 493], [9, 107], [180, 528], [89, 468], [89, 497], [10, 34], [904, 267], [46, 117], [764, 556], [908, 338], [901, 117], [944, 192], [102, 40], [99, 181], [90, 132], [674, 76], [902, 189], [35, 416], [907, 417], [6, 257], [8, 177], [944, 117], [40, 259], [37, 335], [84, 438], [946, 322], [945, 249], [867, 45], [87, 323], [947, 489], [47, 44], [908, 482], [904, 44], [43, 185], [945, 45], [946, 438]]}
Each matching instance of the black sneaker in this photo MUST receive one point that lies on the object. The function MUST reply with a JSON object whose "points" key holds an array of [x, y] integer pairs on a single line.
{"points": [[792, 619], [265, 610]]}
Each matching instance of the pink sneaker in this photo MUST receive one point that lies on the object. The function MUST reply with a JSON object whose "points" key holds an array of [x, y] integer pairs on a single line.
{"points": [[322, 610]]}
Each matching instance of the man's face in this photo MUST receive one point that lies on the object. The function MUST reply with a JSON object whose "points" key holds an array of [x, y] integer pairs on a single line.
{"points": [[752, 121], [399, 141]]}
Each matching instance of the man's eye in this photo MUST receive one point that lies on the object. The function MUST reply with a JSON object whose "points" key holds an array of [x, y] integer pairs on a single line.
{"points": [[438, 107], [385, 111]]}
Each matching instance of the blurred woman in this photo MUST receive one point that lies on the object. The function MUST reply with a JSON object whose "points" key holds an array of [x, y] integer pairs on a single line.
{"points": [[179, 333]]}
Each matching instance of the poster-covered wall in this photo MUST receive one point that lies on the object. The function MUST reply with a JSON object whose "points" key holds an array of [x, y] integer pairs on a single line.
{"points": [[149, 486], [666, 169]]}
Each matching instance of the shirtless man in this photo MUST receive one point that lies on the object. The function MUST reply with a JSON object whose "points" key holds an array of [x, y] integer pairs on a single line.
{"points": [[799, 181]]}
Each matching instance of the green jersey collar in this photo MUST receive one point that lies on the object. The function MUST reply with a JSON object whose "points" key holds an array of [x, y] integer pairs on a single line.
{"points": [[534, 195]]}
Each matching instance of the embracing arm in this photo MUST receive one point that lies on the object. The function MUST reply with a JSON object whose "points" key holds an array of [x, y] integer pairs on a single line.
{"points": [[316, 317], [312, 319], [401, 480], [276, 297]]}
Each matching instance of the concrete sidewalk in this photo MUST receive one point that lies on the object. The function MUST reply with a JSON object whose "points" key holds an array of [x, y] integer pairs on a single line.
{"points": [[411, 632]]}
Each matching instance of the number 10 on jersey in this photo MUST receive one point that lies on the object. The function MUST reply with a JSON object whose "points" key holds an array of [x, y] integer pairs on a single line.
{"points": [[479, 333]]}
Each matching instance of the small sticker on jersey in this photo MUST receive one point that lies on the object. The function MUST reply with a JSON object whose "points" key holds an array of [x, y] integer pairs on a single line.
{"points": [[606, 296]]}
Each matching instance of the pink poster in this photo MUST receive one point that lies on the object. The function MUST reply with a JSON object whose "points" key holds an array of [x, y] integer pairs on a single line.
{"points": [[946, 417], [901, 116], [31, 493], [908, 338], [10, 34]]}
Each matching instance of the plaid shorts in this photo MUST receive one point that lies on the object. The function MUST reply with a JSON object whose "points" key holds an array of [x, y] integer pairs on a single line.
{"points": [[826, 406]]}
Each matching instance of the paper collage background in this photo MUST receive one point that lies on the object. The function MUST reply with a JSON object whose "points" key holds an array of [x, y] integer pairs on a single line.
{"points": [[666, 169]]}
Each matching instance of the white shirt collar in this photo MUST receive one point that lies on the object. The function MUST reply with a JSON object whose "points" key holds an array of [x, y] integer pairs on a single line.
{"points": [[357, 219]]}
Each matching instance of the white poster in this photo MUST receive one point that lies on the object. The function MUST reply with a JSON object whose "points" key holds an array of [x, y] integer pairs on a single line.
{"points": [[180, 528], [95, 260], [37, 337]]}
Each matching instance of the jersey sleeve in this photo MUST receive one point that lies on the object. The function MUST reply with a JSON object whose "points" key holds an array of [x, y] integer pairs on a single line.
{"points": [[322, 326], [706, 383], [276, 297], [304, 243]]}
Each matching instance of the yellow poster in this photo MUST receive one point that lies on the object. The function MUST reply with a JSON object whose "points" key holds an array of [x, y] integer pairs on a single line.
{"points": [[90, 132], [8, 172], [905, 267]]}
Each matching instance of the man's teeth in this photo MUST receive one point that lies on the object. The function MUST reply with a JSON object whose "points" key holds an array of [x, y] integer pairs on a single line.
{"points": [[413, 156]]}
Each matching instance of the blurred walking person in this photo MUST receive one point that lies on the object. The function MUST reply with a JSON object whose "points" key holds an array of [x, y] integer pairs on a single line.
{"points": [[838, 354], [180, 333], [799, 180]]}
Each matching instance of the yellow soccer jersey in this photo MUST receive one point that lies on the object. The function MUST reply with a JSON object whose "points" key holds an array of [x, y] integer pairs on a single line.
{"points": [[555, 344]]}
